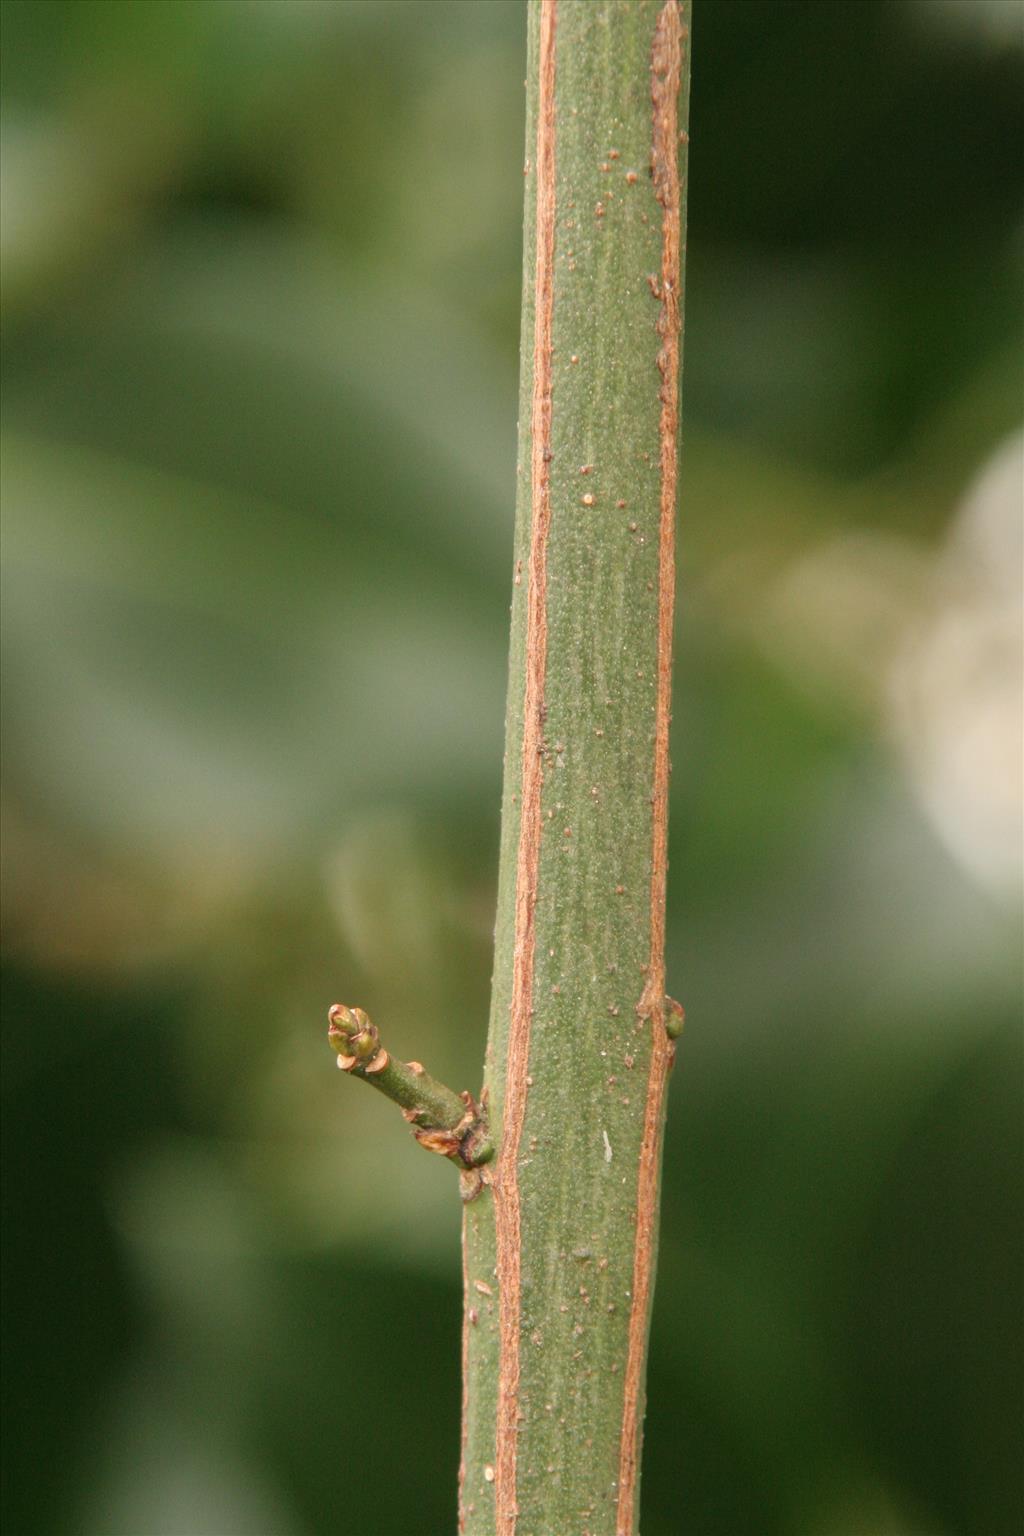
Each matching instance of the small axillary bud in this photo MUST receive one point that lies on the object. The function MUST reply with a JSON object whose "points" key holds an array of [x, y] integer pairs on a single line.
{"points": [[675, 1018], [356, 1040]]}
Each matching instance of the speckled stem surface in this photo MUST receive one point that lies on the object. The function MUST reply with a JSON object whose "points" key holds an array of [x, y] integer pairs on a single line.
{"points": [[559, 1236]]}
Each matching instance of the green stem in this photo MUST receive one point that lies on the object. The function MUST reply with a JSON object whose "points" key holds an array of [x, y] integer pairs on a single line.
{"points": [[559, 1248], [441, 1120]]}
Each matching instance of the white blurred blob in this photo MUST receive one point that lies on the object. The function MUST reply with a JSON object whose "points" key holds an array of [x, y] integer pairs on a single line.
{"points": [[991, 23], [954, 688], [386, 893], [165, 1474], [173, 1456], [47, 176], [931, 643], [835, 617], [857, 1504]]}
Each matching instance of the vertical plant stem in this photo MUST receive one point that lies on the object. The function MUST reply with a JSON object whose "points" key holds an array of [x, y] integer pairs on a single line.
{"points": [[560, 1231]]}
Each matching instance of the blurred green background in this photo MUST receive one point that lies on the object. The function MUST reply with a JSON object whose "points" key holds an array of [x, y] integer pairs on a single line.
{"points": [[261, 296]]}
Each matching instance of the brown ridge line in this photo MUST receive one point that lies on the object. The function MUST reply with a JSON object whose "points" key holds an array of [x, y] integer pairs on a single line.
{"points": [[666, 68], [465, 1376], [506, 1188]]}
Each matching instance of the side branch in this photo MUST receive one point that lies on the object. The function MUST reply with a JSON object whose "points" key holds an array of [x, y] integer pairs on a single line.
{"points": [[442, 1121]]}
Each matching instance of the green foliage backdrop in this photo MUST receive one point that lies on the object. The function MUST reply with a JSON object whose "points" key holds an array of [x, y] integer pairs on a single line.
{"points": [[261, 295]]}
